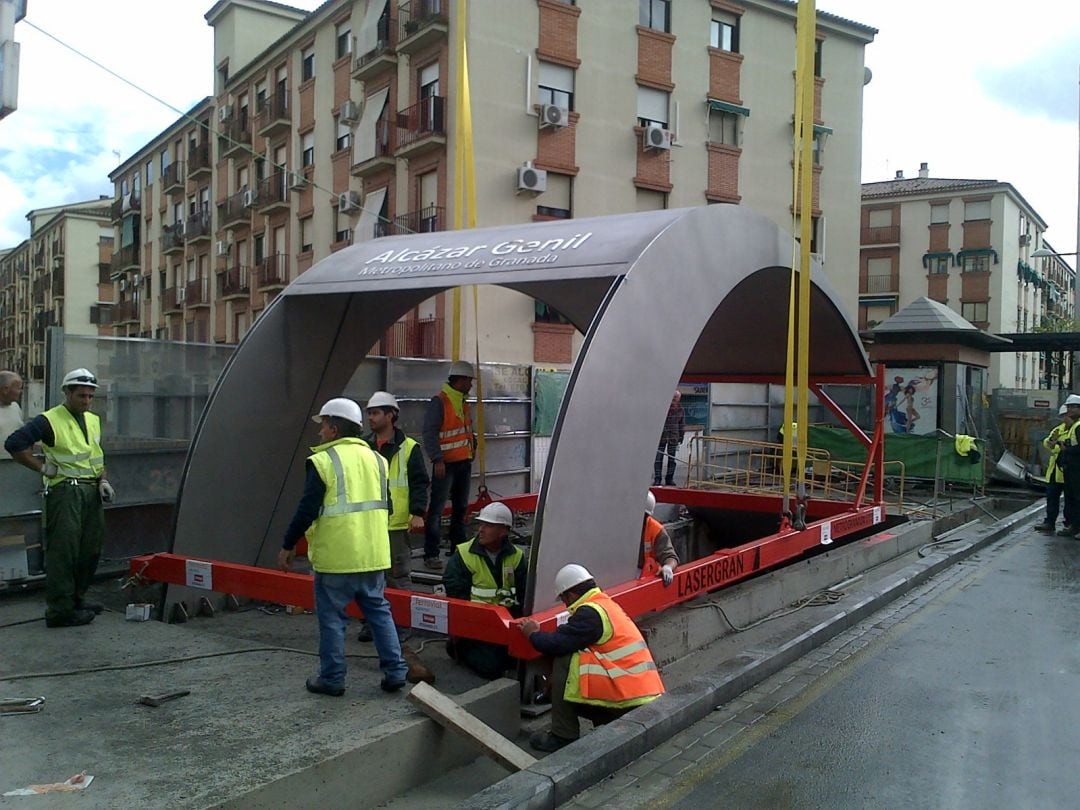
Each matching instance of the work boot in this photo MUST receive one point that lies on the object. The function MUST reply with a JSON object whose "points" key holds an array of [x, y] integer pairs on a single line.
{"points": [[433, 563], [548, 742], [86, 604], [388, 685], [75, 619], [318, 686], [1066, 531]]}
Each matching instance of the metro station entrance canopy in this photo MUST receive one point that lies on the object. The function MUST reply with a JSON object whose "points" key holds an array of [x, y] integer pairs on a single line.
{"points": [[696, 292]]}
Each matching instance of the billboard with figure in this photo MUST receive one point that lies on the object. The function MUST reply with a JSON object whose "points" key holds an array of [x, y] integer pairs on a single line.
{"points": [[911, 400]]}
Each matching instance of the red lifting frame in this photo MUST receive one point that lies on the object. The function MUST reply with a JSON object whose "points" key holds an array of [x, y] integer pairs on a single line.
{"points": [[832, 521]]}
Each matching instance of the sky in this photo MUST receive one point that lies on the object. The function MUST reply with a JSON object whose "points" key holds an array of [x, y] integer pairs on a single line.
{"points": [[983, 89]]}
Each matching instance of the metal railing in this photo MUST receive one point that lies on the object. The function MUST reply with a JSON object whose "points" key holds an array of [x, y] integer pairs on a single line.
{"points": [[422, 338], [423, 119], [273, 271], [234, 281], [173, 176], [199, 158], [879, 283], [881, 235], [385, 40], [416, 15], [197, 293]]}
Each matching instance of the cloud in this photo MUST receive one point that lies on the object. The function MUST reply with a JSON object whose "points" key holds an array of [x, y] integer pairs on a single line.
{"points": [[1044, 84]]}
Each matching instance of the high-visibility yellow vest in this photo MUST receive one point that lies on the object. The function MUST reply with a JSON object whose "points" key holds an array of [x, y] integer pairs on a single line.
{"points": [[351, 534], [1054, 472], [75, 455], [618, 670], [399, 485], [484, 586]]}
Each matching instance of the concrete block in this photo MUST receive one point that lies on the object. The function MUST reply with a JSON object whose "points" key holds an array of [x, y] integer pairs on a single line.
{"points": [[523, 790], [592, 758], [675, 710]]}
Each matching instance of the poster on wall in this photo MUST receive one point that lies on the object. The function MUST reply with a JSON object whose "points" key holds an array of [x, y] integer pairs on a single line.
{"points": [[911, 400]]}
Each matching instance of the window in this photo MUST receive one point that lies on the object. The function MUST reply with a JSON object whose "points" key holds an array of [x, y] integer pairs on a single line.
{"points": [[123, 187], [655, 14], [342, 232], [816, 245], [343, 37], [548, 211], [976, 209], [305, 235], [136, 183], [974, 311], [149, 173], [307, 146], [260, 96], [163, 161], [976, 264], [652, 106], [880, 218], [724, 128], [879, 268], [344, 137], [724, 33], [939, 213], [939, 266], [556, 85], [429, 81], [259, 244], [817, 57], [307, 64]]}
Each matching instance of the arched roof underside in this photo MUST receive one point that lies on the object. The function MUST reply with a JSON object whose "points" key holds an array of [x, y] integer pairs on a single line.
{"points": [[701, 291]]}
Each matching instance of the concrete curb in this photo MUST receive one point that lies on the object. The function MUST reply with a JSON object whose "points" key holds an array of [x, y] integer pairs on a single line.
{"points": [[561, 775]]}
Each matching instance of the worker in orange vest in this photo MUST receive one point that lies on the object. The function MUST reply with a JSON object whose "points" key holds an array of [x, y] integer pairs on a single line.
{"points": [[602, 666], [656, 543], [450, 443]]}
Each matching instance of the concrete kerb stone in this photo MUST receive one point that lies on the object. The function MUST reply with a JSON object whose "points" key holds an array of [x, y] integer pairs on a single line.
{"points": [[524, 790], [682, 707]]}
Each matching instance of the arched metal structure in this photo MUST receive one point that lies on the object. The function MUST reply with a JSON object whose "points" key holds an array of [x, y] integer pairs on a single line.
{"points": [[700, 289]]}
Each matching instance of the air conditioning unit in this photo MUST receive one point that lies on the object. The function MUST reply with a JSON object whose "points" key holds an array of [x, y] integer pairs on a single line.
{"points": [[223, 247], [349, 113], [224, 113], [348, 202], [249, 198], [530, 179], [297, 181], [554, 117], [656, 137]]}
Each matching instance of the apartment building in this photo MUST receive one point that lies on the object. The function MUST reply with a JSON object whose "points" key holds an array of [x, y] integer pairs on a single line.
{"points": [[337, 126], [969, 245], [57, 277]]}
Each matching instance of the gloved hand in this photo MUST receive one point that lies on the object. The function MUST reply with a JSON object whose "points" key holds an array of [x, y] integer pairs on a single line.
{"points": [[667, 574], [48, 469], [106, 491]]}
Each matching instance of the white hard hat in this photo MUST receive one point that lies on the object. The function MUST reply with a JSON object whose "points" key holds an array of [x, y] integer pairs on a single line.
{"points": [[1071, 399], [1063, 410], [650, 503], [498, 513], [342, 407], [569, 576], [461, 368], [80, 376], [383, 399]]}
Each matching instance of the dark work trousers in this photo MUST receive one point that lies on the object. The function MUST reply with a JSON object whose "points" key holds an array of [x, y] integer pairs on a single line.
{"points": [[1072, 494], [486, 660], [1053, 503], [565, 713], [455, 485], [74, 530], [668, 449]]}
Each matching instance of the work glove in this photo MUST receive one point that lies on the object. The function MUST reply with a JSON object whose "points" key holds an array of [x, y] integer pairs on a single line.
{"points": [[49, 469], [106, 491], [667, 574]]}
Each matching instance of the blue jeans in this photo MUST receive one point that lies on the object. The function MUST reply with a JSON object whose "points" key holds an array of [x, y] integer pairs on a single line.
{"points": [[455, 485], [333, 592]]}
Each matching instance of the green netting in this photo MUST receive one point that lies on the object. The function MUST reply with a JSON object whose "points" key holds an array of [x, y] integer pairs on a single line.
{"points": [[919, 454]]}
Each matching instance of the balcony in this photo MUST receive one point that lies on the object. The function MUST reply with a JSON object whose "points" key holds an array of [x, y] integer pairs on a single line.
{"points": [[58, 283], [39, 258], [273, 192], [125, 206], [879, 283], [237, 135], [126, 258], [425, 220], [273, 115], [421, 127], [101, 314], [172, 300], [422, 338], [197, 293], [235, 283], [197, 227], [273, 272], [383, 57], [172, 239], [172, 179], [124, 312], [420, 23], [199, 160], [384, 151], [39, 287], [235, 212], [884, 235]]}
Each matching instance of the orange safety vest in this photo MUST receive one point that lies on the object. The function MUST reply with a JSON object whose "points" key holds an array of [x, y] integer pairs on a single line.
{"points": [[455, 432], [617, 671], [653, 527]]}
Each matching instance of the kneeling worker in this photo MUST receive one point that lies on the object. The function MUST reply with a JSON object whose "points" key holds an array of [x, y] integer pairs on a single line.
{"points": [[656, 543], [488, 568], [602, 667]]}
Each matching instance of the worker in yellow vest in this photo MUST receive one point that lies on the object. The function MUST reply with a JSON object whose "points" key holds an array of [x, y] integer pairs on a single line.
{"points": [[450, 444], [1055, 476], [491, 569], [602, 667], [73, 472], [656, 543], [1069, 461], [345, 513]]}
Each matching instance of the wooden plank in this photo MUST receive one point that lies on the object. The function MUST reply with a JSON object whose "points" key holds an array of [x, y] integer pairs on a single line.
{"points": [[446, 713]]}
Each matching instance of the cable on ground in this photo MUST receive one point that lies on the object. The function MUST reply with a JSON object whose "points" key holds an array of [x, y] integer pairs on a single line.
{"points": [[819, 599]]}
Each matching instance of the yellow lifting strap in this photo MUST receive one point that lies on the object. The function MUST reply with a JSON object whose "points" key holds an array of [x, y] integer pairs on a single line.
{"points": [[464, 212], [797, 370]]}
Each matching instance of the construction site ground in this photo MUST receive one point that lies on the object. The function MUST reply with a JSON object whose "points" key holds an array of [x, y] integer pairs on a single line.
{"points": [[249, 735]]}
